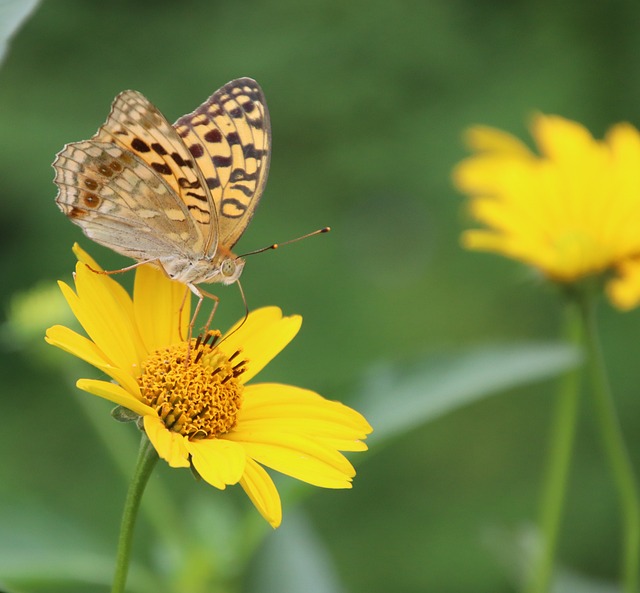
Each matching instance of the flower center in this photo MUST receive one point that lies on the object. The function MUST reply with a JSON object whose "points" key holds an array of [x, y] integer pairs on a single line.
{"points": [[194, 387]]}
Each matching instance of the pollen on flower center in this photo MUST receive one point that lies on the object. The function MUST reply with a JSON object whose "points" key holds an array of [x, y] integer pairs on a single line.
{"points": [[194, 387]]}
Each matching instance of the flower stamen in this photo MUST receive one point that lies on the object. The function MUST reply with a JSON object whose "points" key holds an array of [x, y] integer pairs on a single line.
{"points": [[197, 396]]}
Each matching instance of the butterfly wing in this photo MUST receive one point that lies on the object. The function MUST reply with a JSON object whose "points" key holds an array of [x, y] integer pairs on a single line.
{"points": [[229, 136], [137, 126], [122, 203]]}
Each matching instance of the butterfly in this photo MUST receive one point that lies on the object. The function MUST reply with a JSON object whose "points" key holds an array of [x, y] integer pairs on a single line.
{"points": [[176, 196]]}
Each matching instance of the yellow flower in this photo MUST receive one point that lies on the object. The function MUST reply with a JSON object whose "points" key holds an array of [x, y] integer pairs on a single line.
{"points": [[573, 211], [193, 398]]}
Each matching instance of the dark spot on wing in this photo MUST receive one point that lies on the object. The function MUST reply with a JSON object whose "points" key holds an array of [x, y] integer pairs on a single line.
{"points": [[180, 161], [197, 196], [232, 208], [196, 207], [74, 212], [196, 150], [213, 136], [139, 145], [161, 168], [251, 152], [244, 189], [105, 170], [186, 184], [91, 200], [222, 161], [159, 149], [242, 175]]}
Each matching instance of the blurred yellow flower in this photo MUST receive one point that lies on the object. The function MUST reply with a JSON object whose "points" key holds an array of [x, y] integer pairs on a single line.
{"points": [[196, 407], [573, 211]]}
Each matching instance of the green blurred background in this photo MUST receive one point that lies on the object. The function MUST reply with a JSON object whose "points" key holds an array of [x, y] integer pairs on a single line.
{"points": [[368, 101]]}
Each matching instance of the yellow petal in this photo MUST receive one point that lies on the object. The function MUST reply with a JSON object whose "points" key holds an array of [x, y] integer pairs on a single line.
{"points": [[162, 308], [297, 456], [103, 318], [219, 462], [561, 139], [260, 338], [75, 344], [624, 289], [488, 139], [170, 445], [114, 393], [84, 349], [116, 289], [262, 492], [85, 258], [294, 409]]}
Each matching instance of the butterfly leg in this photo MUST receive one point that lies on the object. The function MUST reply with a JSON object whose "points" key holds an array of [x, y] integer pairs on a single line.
{"points": [[182, 305], [125, 269], [216, 302], [202, 294]]}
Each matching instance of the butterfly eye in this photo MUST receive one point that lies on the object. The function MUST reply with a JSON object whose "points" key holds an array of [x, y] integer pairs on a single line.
{"points": [[228, 268]]}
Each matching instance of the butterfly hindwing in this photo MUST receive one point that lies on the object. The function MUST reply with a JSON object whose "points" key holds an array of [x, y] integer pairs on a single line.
{"points": [[229, 136], [120, 202]]}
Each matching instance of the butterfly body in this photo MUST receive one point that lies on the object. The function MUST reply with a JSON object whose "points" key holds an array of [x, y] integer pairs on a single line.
{"points": [[223, 268], [176, 196]]}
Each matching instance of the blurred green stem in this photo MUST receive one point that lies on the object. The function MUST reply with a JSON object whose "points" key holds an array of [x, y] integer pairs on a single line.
{"points": [[615, 449], [147, 458], [559, 460], [159, 509]]}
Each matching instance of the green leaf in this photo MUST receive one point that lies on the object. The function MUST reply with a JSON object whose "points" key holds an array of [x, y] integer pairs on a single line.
{"points": [[395, 400], [12, 14]]}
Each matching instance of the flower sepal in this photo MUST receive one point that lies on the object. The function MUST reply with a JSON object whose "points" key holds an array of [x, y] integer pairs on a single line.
{"points": [[122, 414]]}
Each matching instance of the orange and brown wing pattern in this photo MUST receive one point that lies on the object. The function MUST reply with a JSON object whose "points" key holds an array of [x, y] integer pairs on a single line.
{"points": [[121, 203], [229, 137], [137, 126]]}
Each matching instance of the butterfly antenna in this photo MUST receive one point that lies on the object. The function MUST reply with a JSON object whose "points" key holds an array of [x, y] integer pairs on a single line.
{"points": [[276, 245], [246, 312], [244, 300], [246, 306]]}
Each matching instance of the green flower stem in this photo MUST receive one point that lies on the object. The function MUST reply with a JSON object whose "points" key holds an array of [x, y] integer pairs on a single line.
{"points": [[147, 458], [559, 460], [615, 449], [159, 510]]}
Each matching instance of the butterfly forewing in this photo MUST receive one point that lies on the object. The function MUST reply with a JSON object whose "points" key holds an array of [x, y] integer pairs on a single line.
{"points": [[229, 136], [138, 126]]}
